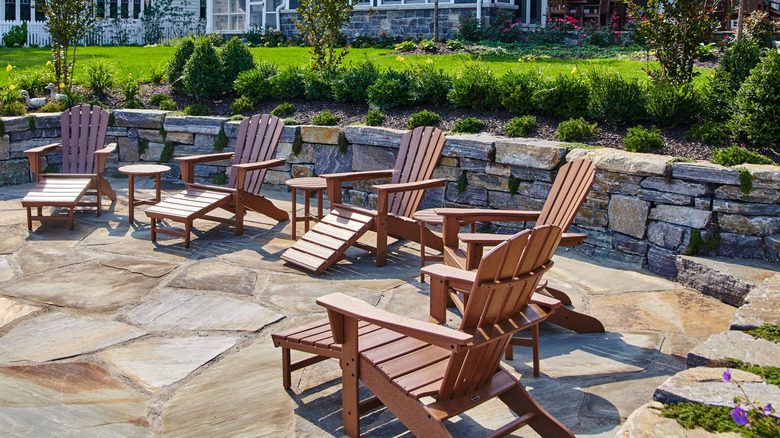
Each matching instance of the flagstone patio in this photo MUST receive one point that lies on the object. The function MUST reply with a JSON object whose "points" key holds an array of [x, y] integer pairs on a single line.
{"points": [[104, 333]]}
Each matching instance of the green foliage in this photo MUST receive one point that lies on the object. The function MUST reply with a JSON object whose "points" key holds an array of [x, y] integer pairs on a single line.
{"points": [[756, 111], [692, 415], [156, 73], [219, 179], [475, 87], [157, 98], [16, 36], [423, 118], [639, 139], [72, 97], [50, 168], [469, 125], [318, 83], [67, 22], [235, 57], [320, 23], [564, 96], [517, 90], [326, 118], [167, 105], [745, 181], [672, 104], [770, 332], [615, 100], [469, 28], [674, 29], [33, 80], [255, 84], [31, 122], [429, 84], [572, 146], [405, 46], [575, 130], [428, 45], [197, 109], [242, 105], [454, 45], [759, 27], [215, 39], [288, 84], [731, 156], [706, 50], [343, 143], [375, 117], [462, 182], [682, 160], [514, 185], [221, 143], [283, 110], [176, 65], [289, 121], [391, 89], [236, 118], [769, 373], [203, 72], [143, 146], [53, 106], [709, 132], [520, 126], [167, 152], [11, 105], [352, 85], [727, 78], [128, 86], [297, 145], [694, 243], [133, 104], [2, 128], [265, 37]]}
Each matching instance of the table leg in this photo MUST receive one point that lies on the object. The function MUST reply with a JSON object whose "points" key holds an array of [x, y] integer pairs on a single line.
{"points": [[131, 196], [157, 188], [319, 205], [294, 220], [422, 251], [306, 210]]}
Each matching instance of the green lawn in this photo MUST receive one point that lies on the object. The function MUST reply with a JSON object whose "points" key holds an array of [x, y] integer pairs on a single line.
{"points": [[138, 60]]}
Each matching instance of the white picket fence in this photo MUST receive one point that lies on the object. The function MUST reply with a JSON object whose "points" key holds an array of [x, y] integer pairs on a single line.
{"points": [[121, 32]]}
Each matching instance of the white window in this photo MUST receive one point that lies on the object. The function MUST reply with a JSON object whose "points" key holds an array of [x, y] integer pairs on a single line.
{"points": [[229, 15]]}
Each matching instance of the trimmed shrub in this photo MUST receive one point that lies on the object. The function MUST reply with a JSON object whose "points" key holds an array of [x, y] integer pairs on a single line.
{"points": [[255, 84], [375, 118], [476, 87], [469, 125], [176, 65], [157, 98], [242, 105], [197, 109], [615, 100], [725, 81], [672, 105], [203, 77], [167, 105], [517, 90], [564, 96], [235, 58], [423, 118], [291, 122], [430, 85], [709, 132], [288, 84], [53, 106], [352, 85], [318, 83], [756, 114], [326, 118], [731, 156], [283, 110], [520, 126], [454, 45], [575, 130], [391, 89], [639, 139]]}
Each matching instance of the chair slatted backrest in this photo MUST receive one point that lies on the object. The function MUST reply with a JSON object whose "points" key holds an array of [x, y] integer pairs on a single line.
{"points": [[83, 132], [257, 139], [505, 281], [419, 153], [568, 193], [556, 7]]}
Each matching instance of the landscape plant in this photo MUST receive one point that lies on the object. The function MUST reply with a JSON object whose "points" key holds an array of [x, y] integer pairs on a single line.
{"points": [[16, 36], [391, 89], [284, 110], [375, 118], [326, 118], [756, 110], [469, 125], [242, 105], [641, 139], [734, 155], [517, 88], [235, 57], [318, 84], [197, 109], [725, 80], [431, 85], [475, 87], [615, 100], [203, 72], [255, 84], [352, 85], [68, 21], [176, 65], [320, 23], [565, 96], [672, 104], [575, 130], [288, 84], [423, 118], [520, 126]]}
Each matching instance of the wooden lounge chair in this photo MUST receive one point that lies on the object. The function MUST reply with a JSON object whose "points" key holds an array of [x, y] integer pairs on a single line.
{"points": [[256, 144], [83, 161], [327, 241], [568, 193], [459, 369]]}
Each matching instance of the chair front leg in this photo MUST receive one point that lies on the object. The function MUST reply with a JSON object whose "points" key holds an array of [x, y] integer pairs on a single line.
{"points": [[381, 229]]}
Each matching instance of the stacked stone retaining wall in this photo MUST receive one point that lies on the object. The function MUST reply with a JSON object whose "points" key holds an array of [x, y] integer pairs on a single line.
{"points": [[641, 211]]}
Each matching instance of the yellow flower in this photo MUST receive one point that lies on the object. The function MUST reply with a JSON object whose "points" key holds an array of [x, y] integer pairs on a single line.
{"points": [[48, 63], [531, 59], [399, 58], [62, 85], [574, 71], [652, 53], [520, 60], [712, 73], [11, 87], [9, 68], [429, 61]]}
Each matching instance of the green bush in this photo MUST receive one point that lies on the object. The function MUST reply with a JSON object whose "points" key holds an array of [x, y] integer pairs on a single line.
{"points": [[157, 98], [391, 89], [16, 36], [221, 142], [520, 126], [167, 105], [289, 121], [405, 46], [475, 87], [469, 125], [283, 110], [615, 100], [564, 96], [727, 78], [575, 130], [176, 65], [156, 73], [672, 105], [326, 118], [220, 179], [133, 104], [745, 181], [128, 86], [731, 156], [53, 106], [759, 27], [235, 57], [423, 118], [639, 139], [242, 105], [756, 111], [709, 132], [288, 84], [469, 29], [100, 77], [375, 118], [454, 45], [33, 80], [203, 77], [352, 85], [429, 84], [197, 109], [236, 118], [517, 89], [318, 83], [428, 45], [255, 84], [14, 108]]}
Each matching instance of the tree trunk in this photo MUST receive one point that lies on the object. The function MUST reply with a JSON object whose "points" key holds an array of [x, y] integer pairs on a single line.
{"points": [[436, 20], [740, 19]]}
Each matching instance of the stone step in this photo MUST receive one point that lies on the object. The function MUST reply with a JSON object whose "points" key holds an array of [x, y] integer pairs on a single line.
{"points": [[734, 345], [729, 280], [706, 386]]}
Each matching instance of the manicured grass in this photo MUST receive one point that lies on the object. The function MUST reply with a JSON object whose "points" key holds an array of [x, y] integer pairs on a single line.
{"points": [[138, 60]]}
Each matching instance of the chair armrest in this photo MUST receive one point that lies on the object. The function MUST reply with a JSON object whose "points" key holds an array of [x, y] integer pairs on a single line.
{"points": [[409, 186], [187, 164], [336, 180], [243, 168], [545, 301], [435, 334], [111, 147], [101, 155], [451, 276], [572, 239], [34, 156]]}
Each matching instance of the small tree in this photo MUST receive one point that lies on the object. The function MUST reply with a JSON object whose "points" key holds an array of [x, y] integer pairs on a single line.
{"points": [[674, 29], [68, 21], [320, 21]]}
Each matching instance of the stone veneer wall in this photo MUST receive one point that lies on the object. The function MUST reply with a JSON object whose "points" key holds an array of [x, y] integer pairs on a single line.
{"points": [[641, 210], [415, 21]]}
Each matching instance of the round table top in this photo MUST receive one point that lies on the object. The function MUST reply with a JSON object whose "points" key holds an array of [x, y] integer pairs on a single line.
{"points": [[308, 183], [144, 169], [429, 217]]}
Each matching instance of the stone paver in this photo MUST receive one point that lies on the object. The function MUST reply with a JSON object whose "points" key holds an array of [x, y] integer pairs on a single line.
{"points": [[705, 385], [41, 257], [217, 276], [11, 239], [645, 422], [6, 271], [735, 345], [11, 310]]}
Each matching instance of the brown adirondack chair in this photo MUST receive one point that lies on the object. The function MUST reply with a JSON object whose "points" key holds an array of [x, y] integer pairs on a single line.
{"points": [[460, 369], [256, 144], [568, 193], [326, 242], [84, 157]]}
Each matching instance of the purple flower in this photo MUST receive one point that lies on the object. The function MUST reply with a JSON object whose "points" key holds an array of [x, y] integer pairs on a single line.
{"points": [[768, 409], [726, 376], [739, 415]]}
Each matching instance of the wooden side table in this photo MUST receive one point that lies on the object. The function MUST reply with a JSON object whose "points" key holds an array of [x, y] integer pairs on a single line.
{"points": [[429, 217], [308, 185], [134, 170]]}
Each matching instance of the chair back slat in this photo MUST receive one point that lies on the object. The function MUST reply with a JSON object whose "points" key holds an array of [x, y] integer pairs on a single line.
{"points": [[83, 129], [505, 281], [258, 137], [417, 157], [568, 193]]}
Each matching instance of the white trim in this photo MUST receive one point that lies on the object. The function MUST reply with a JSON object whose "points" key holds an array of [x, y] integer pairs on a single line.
{"points": [[422, 6]]}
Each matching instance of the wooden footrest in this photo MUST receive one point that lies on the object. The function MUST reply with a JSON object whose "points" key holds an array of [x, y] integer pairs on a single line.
{"points": [[189, 204], [55, 192]]}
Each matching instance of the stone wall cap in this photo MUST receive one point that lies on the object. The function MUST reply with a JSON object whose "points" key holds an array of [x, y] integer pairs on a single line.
{"points": [[704, 171], [488, 139], [616, 160], [140, 111], [528, 152]]}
